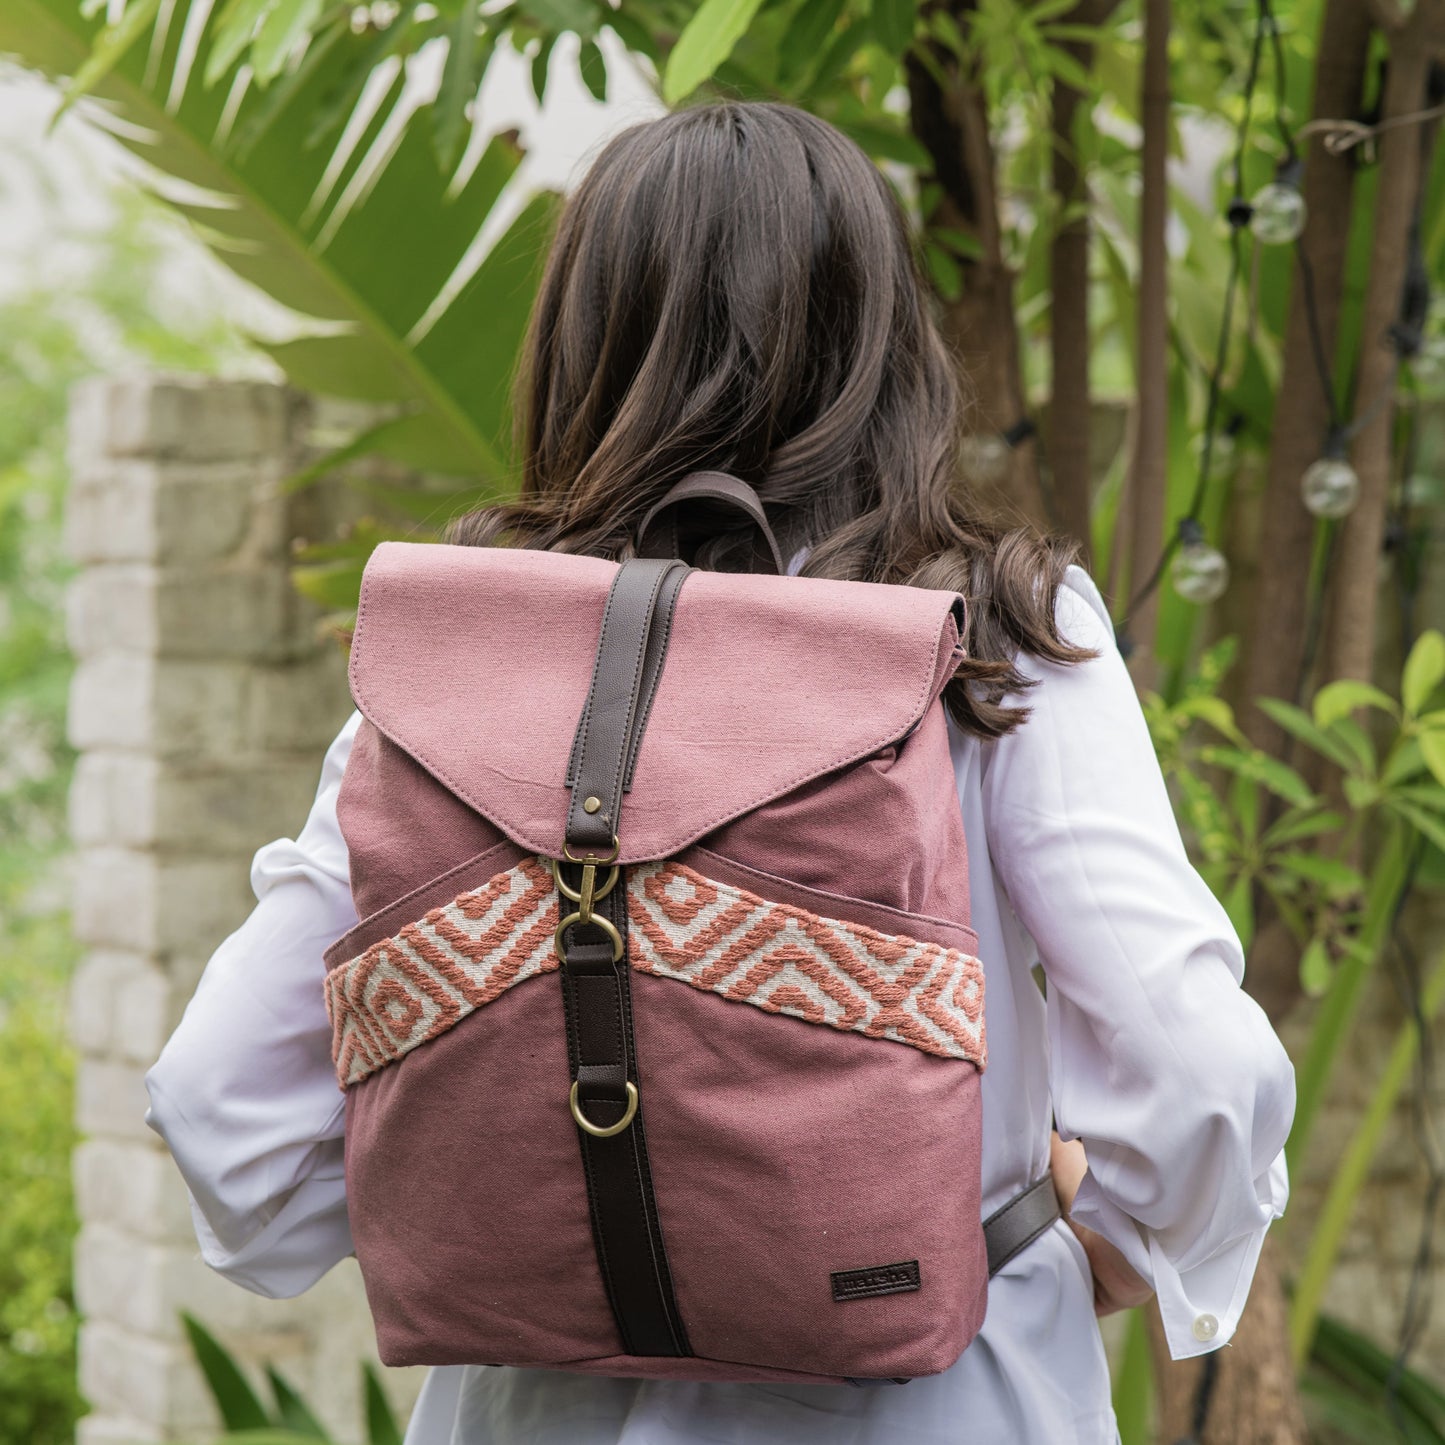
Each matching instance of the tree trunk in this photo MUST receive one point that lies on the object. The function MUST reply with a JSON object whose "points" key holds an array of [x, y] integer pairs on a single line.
{"points": [[980, 325], [1350, 627], [1070, 411], [1253, 1399], [1149, 460], [1274, 655]]}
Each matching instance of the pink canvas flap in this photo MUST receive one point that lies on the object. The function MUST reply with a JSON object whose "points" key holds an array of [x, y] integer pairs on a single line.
{"points": [[477, 661]]}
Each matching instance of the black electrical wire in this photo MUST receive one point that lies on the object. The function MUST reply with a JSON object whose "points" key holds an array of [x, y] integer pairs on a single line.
{"points": [[1238, 214]]}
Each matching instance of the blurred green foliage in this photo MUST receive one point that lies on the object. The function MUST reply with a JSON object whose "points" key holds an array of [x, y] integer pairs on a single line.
{"points": [[249, 1420], [58, 327]]}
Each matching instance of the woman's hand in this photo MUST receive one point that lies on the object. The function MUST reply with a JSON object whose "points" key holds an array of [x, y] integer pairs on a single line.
{"points": [[1116, 1285]]}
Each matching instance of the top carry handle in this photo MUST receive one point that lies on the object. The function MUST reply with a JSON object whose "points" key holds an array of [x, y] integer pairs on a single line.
{"points": [[660, 534]]}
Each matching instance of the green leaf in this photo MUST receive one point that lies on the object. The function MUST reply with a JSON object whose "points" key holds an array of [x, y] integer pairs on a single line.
{"points": [[1424, 671], [381, 1426], [1424, 823], [1406, 760], [1214, 711], [1297, 824], [1239, 905], [945, 273], [1134, 1383], [279, 1436], [706, 41], [593, 68], [1338, 878], [558, 15], [231, 33], [333, 585], [1360, 1367], [888, 142], [285, 23], [807, 34], [375, 269], [894, 22], [1339, 699], [1352, 1169], [1278, 777], [1315, 968], [1432, 749], [1357, 740], [110, 47], [1300, 725], [235, 1400], [634, 35], [291, 1409], [541, 67], [467, 53]]}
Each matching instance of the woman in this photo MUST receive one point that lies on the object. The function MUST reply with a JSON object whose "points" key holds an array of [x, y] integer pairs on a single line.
{"points": [[733, 288]]}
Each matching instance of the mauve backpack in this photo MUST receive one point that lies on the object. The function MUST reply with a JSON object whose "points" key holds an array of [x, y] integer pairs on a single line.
{"points": [[661, 1034]]}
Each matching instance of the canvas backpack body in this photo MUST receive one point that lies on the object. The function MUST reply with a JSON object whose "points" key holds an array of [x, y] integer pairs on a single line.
{"points": [[703, 1104]]}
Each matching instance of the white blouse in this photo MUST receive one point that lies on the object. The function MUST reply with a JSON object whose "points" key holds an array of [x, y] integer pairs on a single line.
{"points": [[1141, 1044]]}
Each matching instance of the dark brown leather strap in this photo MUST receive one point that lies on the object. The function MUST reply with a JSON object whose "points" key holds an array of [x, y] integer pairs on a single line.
{"points": [[1015, 1225], [606, 1088], [597, 1000], [659, 535], [628, 666]]}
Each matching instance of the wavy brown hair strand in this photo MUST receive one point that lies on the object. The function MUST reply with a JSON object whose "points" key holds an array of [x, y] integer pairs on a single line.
{"points": [[734, 288]]}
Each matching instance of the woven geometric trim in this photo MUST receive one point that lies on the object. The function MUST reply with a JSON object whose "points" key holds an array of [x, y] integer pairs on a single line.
{"points": [[409, 988], [434, 972], [789, 961]]}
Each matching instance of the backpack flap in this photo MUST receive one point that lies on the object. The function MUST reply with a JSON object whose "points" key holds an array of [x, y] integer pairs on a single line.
{"points": [[476, 662]]}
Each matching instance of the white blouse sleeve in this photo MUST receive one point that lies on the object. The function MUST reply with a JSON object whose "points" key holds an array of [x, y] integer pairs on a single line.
{"points": [[1169, 1073], [244, 1093]]}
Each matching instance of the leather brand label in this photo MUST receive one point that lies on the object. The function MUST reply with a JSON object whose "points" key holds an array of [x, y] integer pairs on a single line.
{"points": [[880, 1279]]}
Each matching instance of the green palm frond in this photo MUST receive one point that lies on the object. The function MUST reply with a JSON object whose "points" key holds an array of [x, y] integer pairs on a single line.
{"points": [[362, 233]]}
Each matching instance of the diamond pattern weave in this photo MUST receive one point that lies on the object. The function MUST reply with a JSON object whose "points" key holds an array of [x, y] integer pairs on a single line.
{"points": [[409, 988]]}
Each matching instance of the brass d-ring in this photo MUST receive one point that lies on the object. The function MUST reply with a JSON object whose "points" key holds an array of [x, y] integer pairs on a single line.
{"points": [[573, 894], [597, 1132], [604, 924], [608, 857]]}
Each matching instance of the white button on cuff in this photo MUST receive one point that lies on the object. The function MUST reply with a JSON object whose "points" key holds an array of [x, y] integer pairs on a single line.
{"points": [[1205, 1328]]}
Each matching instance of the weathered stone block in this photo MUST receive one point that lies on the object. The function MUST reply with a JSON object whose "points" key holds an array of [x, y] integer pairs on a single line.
{"points": [[130, 700], [110, 1099], [180, 416], [144, 1015], [236, 808], [115, 896], [240, 612], [119, 1279], [110, 515], [96, 991], [133, 1186], [152, 904], [126, 1374], [139, 509], [96, 1429], [298, 707], [113, 798]]}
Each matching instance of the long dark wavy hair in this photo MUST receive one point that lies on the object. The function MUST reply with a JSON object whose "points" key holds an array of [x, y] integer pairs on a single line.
{"points": [[734, 288]]}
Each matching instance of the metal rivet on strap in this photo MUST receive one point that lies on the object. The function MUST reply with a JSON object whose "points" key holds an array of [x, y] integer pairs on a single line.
{"points": [[591, 805]]}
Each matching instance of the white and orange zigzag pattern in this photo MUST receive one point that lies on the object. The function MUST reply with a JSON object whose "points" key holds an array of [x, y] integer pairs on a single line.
{"points": [[409, 988]]}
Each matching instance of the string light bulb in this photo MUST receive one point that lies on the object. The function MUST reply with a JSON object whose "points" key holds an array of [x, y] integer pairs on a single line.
{"points": [[1199, 572], [986, 458], [1277, 212], [1330, 486]]}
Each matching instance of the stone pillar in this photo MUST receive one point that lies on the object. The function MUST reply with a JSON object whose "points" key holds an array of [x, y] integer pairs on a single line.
{"points": [[202, 703]]}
